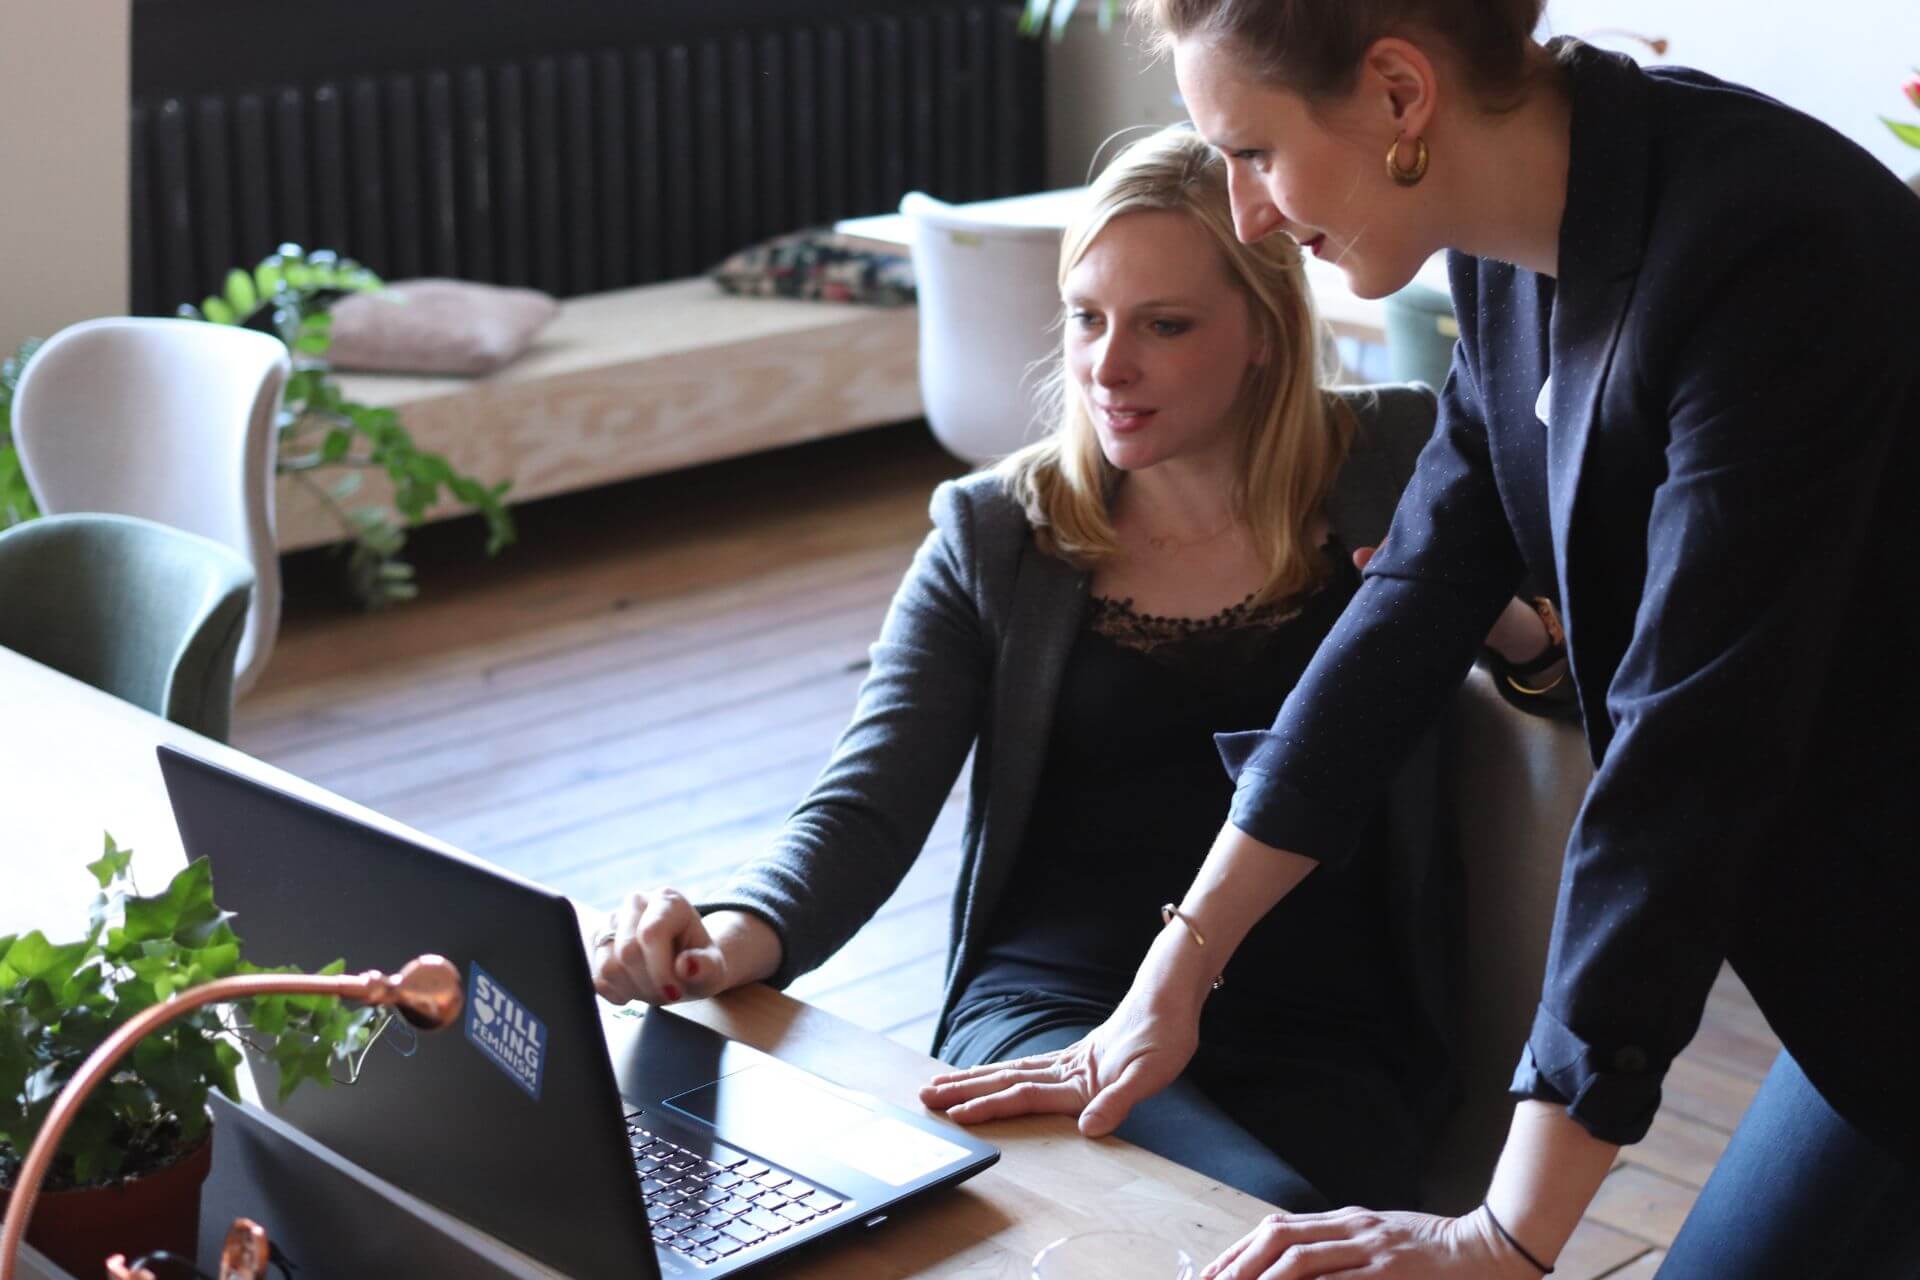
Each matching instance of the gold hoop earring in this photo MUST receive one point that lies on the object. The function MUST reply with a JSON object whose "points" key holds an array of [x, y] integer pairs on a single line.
{"points": [[1409, 176]]}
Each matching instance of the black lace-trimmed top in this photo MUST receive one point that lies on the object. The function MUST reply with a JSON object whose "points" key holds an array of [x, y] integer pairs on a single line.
{"points": [[1150, 633], [1132, 795]]}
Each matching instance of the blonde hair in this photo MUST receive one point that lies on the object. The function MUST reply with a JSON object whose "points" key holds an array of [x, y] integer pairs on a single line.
{"points": [[1295, 435]]}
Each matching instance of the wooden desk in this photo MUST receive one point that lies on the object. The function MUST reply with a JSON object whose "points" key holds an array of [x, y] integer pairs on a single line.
{"points": [[75, 761], [1347, 314]]}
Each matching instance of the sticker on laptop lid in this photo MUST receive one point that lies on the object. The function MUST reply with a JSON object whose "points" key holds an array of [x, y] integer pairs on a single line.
{"points": [[506, 1031]]}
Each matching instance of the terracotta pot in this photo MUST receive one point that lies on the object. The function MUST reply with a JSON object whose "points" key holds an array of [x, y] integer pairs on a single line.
{"points": [[80, 1229]]}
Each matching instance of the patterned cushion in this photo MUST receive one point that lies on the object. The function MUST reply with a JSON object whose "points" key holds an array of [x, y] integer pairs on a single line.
{"points": [[818, 266]]}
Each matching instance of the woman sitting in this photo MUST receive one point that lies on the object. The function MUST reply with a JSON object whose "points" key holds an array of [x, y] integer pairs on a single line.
{"points": [[1085, 617]]}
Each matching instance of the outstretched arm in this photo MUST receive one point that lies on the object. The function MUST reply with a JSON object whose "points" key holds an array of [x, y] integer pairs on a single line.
{"points": [[849, 843]]}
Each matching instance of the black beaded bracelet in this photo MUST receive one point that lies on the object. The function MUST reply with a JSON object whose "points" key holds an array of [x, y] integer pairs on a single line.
{"points": [[1518, 1248]]}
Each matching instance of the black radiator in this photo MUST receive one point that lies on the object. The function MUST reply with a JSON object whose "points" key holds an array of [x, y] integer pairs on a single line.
{"points": [[572, 146]]}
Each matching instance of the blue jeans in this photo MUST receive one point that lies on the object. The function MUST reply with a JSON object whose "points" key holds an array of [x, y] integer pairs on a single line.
{"points": [[1800, 1195]]}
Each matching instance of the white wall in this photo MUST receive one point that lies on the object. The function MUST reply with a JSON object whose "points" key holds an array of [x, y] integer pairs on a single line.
{"points": [[64, 93], [1097, 83], [1840, 60]]}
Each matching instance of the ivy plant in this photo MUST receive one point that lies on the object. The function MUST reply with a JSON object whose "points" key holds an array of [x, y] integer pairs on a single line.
{"points": [[16, 501], [1053, 16], [327, 442], [59, 1001]]}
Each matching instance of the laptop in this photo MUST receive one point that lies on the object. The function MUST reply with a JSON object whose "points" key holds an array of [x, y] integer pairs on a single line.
{"points": [[603, 1142]]}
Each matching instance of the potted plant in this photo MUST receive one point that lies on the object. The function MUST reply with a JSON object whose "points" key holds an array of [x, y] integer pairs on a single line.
{"points": [[127, 1177], [1908, 133]]}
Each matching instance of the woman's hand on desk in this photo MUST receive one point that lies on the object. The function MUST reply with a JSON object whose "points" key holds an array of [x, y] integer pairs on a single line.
{"points": [[1130, 1057], [1138, 1051], [1356, 1242], [661, 950]]}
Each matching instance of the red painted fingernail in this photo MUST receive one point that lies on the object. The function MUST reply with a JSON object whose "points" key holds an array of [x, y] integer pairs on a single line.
{"points": [[670, 991], [693, 967]]}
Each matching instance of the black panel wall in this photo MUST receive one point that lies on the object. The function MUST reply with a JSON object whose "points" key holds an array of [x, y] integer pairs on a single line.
{"points": [[573, 145]]}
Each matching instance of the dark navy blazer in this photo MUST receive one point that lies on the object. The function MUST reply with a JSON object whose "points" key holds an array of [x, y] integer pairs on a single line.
{"points": [[1718, 485]]}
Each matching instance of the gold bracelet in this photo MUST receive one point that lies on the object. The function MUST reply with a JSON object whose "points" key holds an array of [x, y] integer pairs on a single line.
{"points": [[1169, 912], [1545, 688]]}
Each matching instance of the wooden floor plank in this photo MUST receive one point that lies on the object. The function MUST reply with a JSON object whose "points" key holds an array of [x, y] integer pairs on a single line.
{"points": [[621, 796], [826, 636], [1597, 1250], [906, 993], [300, 714], [1678, 1148], [686, 818], [1645, 1267], [696, 717], [599, 552], [1726, 1044], [901, 928], [1701, 1091], [1642, 1203]]}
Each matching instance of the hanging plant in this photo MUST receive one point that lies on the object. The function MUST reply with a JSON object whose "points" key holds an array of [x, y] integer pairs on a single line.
{"points": [[328, 442]]}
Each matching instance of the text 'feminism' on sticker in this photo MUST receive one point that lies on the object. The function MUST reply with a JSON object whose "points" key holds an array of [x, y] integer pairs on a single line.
{"points": [[506, 1031]]}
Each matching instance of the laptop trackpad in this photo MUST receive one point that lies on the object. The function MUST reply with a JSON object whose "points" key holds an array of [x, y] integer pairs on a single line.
{"points": [[753, 1106]]}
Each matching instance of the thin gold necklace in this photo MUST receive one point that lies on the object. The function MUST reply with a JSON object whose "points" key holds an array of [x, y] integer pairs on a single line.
{"points": [[1165, 544]]}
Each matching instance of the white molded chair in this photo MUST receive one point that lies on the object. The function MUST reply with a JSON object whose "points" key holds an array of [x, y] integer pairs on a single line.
{"points": [[989, 306], [169, 420]]}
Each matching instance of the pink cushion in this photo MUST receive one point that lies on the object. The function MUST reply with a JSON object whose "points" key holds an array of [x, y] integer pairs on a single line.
{"points": [[437, 326]]}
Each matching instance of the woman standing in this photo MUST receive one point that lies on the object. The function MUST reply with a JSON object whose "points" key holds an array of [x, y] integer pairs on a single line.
{"points": [[1686, 396]]}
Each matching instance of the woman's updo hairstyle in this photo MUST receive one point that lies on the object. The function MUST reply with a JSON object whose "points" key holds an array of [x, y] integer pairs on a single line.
{"points": [[1313, 47]]}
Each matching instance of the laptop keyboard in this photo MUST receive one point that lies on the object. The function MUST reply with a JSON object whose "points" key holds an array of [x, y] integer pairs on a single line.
{"points": [[710, 1207]]}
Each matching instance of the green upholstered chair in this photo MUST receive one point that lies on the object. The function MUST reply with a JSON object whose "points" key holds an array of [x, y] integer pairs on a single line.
{"points": [[1420, 335], [147, 612]]}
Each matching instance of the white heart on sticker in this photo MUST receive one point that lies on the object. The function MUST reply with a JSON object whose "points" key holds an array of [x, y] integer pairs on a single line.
{"points": [[1543, 405]]}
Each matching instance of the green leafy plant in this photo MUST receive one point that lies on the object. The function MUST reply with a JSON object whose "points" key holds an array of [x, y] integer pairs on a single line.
{"points": [[1053, 15], [59, 1001], [16, 501], [1907, 133], [289, 294]]}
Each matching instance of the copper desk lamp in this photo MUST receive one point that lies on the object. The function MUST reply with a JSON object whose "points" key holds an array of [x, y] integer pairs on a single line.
{"points": [[426, 992]]}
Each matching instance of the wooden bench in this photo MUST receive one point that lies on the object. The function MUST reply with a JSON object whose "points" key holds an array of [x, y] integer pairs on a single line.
{"points": [[641, 381]]}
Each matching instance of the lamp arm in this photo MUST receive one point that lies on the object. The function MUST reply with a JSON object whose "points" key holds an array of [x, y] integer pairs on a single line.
{"points": [[426, 992]]}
